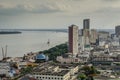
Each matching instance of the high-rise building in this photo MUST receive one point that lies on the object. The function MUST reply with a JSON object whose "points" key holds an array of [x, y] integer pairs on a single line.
{"points": [[80, 43], [117, 30], [73, 39], [86, 31], [80, 32], [86, 24], [86, 35], [93, 36]]}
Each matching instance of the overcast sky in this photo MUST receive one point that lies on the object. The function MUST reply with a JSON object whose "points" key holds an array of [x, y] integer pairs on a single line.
{"points": [[42, 14]]}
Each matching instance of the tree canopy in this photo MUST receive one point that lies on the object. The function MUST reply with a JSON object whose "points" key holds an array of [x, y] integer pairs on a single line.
{"points": [[56, 51]]}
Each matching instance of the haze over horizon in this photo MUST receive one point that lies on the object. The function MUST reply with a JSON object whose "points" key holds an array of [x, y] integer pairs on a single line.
{"points": [[58, 14]]}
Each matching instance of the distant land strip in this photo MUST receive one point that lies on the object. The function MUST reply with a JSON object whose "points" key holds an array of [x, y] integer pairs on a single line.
{"points": [[10, 32], [53, 30]]}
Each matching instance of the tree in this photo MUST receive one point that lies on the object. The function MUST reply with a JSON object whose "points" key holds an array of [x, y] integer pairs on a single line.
{"points": [[82, 76], [90, 72], [56, 51], [26, 70]]}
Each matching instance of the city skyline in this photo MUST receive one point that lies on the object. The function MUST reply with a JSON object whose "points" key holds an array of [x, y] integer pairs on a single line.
{"points": [[49, 14]]}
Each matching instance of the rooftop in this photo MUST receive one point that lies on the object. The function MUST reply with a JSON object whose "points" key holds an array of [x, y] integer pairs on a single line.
{"points": [[53, 69], [43, 71]]}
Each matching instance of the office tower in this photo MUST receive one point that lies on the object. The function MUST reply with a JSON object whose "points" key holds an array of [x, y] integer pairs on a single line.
{"points": [[86, 24], [93, 36], [86, 35], [117, 30], [80, 43], [73, 39], [80, 32], [86, 32], [86, 27]]}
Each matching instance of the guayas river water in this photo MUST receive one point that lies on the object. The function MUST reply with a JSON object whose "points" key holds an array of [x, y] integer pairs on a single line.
{"points": [[30, 41]]}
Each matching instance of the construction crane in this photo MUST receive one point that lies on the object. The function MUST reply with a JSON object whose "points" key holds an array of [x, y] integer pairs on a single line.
{"points": [[4, 53]]}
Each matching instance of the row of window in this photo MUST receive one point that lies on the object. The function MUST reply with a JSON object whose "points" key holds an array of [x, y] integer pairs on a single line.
{"points": [[47, 74], [49, 78]]}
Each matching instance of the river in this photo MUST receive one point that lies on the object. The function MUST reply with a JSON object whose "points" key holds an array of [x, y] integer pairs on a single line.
{"points": [[30, 41]]}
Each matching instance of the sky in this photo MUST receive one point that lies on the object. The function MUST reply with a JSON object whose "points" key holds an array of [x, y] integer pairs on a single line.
{"points": [[58, 14]]}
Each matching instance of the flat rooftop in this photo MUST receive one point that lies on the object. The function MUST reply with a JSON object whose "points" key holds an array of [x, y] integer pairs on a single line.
{"points": [[48, 72], [53, 69]]}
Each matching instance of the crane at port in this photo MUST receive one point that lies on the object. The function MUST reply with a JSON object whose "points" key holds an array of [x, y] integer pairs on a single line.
{"points": [[4, 53]]}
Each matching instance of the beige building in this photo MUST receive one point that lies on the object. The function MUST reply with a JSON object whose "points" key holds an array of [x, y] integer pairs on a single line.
{"points": [[25, 64], [81, 43], [62, 75], [93, 36], [86, 34], [55, 72], [31, 56], [103, 35], [86, 31], [68, 59]]}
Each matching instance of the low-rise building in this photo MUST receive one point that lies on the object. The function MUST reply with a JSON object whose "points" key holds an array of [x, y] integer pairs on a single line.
{"points": [[103, 34], [102, 42], [55, 72], [30, 55], [4, 68], [115, 42], [25, 64], [84, 56], [102, 58], [62, 59]]}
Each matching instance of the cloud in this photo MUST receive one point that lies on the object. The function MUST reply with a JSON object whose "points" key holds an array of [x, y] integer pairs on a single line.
{"points": [[66, 7], [40, 6], [58, 12], [10, 9], [110, 0]]}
